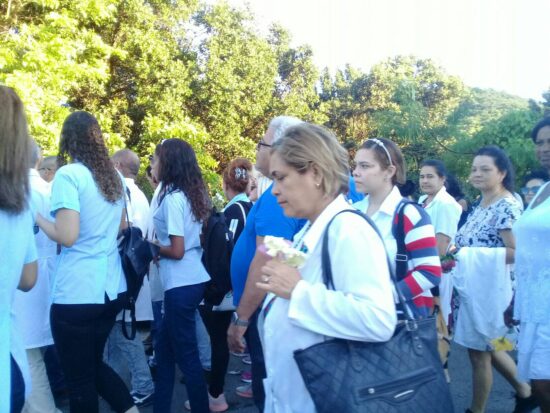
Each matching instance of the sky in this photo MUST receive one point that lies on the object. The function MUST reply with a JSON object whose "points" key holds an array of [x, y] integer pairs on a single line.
{"points": [[498, 44]]}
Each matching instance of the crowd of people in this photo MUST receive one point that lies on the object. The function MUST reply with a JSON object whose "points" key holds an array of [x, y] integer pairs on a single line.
{"points": [[63, 288]]}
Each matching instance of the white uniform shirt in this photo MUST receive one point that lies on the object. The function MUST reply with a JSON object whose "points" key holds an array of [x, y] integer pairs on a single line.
{"points": [[17, 247], [90, 268], [32, 308], [444, 212], [157, 292], [361, 309], [175, 217]]}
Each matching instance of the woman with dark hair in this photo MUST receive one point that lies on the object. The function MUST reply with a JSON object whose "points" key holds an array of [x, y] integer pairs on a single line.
{"points": [[379, 169], [532, 272], [19, 267], [236, 180], [532, 183], [88, 205], [482, 276], [183, 205], [444, 211]]}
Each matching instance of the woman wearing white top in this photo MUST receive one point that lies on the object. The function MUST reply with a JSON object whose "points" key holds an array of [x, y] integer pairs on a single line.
{"points": [[379, 168], [88, 205], [18, 264], [183, 205], [310, 172], [444, 211]]}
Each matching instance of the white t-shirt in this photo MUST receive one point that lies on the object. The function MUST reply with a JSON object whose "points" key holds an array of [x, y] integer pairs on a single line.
{"points": [[32, 308], [91, 267], [175, 217], [444, 212]]}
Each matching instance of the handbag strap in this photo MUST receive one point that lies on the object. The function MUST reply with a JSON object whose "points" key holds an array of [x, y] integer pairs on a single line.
{"points": [[327, 268]]}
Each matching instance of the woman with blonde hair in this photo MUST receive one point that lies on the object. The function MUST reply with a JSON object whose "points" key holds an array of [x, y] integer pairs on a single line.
{"points": [[310, 174], [88, 205], [18, 265]]}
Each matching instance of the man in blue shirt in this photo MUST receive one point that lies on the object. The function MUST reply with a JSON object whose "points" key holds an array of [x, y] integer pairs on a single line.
{"points": [[265, 218]]}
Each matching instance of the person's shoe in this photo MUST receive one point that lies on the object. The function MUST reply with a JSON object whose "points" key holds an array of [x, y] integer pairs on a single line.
{"points": [[215, 404], [246, 377], [245, 391], [525, 404], [141, 400], [247, 360]]}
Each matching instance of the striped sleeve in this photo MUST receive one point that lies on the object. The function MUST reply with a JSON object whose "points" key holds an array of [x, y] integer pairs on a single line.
{"points": [[424, 267]]}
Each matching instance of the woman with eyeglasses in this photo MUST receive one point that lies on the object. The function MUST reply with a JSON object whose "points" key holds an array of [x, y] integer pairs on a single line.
{"points": [[379, 168], [532, 183]]}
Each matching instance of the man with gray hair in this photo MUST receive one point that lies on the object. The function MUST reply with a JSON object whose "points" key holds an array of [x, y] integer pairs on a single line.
{"points": [[127, 163], [265, 218], [47, 168]]}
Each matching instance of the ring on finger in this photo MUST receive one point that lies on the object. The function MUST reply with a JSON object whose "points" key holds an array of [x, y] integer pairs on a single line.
{"points": [[265, 279]]}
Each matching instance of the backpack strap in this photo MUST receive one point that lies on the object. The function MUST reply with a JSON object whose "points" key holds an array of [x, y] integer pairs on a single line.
{"points": [[133, 322], [327, 268], [398, 231], [243, 212]]}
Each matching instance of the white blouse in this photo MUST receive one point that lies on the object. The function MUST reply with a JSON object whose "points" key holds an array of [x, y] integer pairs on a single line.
{"points": [[361, 308]]}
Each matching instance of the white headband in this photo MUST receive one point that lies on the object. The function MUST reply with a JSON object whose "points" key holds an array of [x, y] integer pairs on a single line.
{"points": [[381, 144]]}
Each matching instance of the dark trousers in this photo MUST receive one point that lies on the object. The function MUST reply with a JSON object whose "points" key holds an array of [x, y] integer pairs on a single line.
{"points": [[80, 332], [254, 344], [217, 323], [17, 396], [177, 343]]}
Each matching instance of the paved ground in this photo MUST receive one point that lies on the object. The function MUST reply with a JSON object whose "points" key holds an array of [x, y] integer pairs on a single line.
{"points": [[501, 398]]}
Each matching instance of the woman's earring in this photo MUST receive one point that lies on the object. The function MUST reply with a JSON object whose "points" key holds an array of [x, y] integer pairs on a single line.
{"points": [[318, 186]]}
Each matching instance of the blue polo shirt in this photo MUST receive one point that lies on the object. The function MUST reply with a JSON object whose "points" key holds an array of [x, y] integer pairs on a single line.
{"points": [[265, 218]]}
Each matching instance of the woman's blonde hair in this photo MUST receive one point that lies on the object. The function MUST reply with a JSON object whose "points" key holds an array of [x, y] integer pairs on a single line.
{"points": [[305, 145], [14, 152]]}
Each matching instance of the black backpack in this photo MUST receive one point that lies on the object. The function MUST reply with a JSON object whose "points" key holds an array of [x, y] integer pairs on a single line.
{"points": [[217, 245]]}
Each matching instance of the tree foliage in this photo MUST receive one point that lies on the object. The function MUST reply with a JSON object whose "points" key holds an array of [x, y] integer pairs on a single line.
{"points": [[156, 69]]}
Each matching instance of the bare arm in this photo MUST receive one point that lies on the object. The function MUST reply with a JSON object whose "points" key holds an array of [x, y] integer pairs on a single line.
{"points": [[64, 230], [28, 276], [176, 249], [443, 242], [509, 243]]}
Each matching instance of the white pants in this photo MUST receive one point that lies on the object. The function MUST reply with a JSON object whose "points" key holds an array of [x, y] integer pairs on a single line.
{"points": [[40, 399]]}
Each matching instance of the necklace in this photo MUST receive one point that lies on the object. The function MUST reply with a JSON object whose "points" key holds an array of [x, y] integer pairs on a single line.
{"points": [[486, 202]]}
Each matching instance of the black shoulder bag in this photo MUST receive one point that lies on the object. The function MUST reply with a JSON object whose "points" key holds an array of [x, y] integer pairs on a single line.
{"points": [[136, 254], [402, 375]]}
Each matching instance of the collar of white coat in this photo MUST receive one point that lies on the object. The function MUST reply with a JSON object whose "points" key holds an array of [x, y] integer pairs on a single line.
{"points": [[442, 195], [317, 229]]}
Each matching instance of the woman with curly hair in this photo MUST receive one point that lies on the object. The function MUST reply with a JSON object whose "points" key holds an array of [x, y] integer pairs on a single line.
{"points": [[88, 205], [18, 263], [183, 204]]}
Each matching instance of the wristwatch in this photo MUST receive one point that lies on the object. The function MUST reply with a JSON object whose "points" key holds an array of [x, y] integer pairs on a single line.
{"points": [[238, 322]]}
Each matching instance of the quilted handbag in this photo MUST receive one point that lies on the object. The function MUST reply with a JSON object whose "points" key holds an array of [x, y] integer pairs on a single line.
{"points": [[403, 375]]}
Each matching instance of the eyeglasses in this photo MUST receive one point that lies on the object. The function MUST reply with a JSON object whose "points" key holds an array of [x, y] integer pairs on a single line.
{"points": [[44, 169], [526, 190], [262, 143]]}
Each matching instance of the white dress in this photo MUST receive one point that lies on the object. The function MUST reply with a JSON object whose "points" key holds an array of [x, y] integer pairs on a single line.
{"points": [[532, 302]]}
